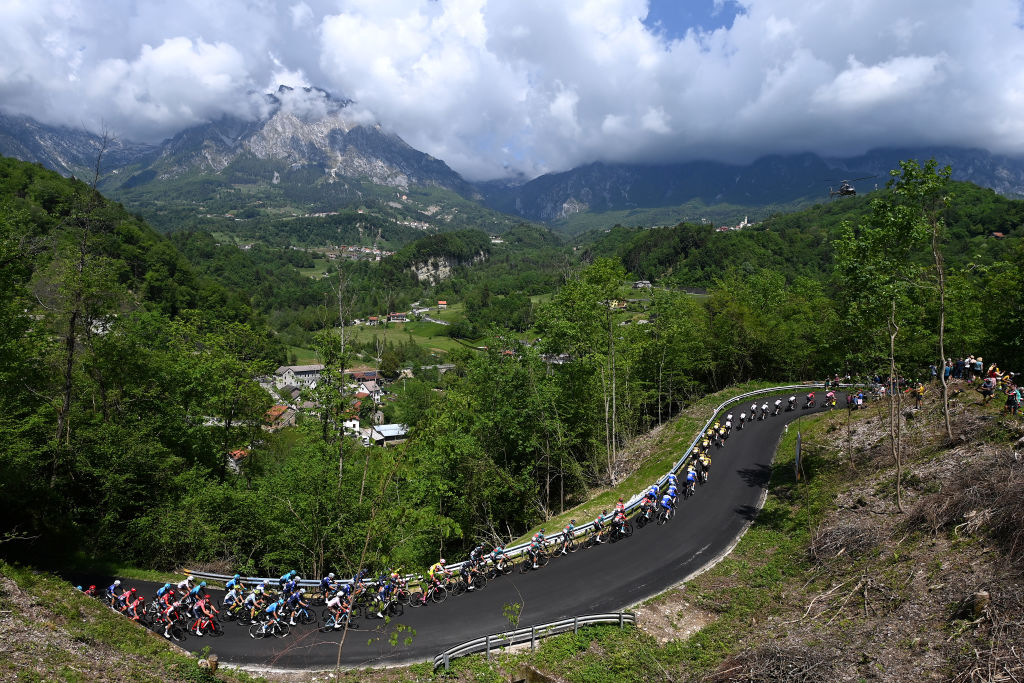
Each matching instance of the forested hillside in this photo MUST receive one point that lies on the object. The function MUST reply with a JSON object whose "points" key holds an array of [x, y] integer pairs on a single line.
{"points": [[129, 375]]}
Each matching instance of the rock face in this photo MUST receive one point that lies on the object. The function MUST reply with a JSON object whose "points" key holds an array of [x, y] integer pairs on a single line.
{"points": [[440, 268]]}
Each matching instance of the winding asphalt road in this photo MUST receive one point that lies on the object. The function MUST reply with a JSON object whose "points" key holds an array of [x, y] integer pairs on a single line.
{"points": [[605, 578]]}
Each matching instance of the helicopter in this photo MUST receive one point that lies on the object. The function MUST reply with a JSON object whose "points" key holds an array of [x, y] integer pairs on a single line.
{"points": [[846, 188]]}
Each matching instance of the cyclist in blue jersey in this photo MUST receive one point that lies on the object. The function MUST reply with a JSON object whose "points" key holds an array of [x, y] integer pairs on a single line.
{"points": [[327, 585], [295, 602], [235, 582], [273, 612], [672, 493], [691, 480], [672, 480], [667, 505]]}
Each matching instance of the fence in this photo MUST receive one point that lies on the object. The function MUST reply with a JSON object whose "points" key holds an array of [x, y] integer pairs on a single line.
{"points": [[633, 504], [531, 634]]}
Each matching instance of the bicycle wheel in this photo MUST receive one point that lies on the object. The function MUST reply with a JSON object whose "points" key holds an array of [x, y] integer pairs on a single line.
{"points": [[281, 630], [627, 529], [479, 581], [307, 615], [641, 520], [257, 631], [525, 565], [459, 587], [396, 609], [328, 624], [542, 559], [215, 630], [506, 567], [415, 599], [439, 594], [177, 632]]}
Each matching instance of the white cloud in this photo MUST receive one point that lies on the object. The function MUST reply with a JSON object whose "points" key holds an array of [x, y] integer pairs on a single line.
{"points": [[492, 86]]}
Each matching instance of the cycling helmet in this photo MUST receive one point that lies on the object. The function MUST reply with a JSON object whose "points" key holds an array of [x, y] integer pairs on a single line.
{"points": [[572, 521], [78, 588], [202, 585], [301, 591], [237, 577], [167, 585], [206, 597], [331, 575], [443, 561], [293, 572], [190, 578], [132, 590], [92, 586], [117, 582], [280, 602], [297, 577]]}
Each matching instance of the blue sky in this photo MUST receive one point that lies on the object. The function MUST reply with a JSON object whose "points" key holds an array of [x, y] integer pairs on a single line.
{"points": [[674, 18], [499, 87]]}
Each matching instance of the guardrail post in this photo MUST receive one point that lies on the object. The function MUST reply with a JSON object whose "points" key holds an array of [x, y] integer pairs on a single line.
{"points": [[488, 648], [445, 661], [620, 619], [575, 624], [533, 638]]}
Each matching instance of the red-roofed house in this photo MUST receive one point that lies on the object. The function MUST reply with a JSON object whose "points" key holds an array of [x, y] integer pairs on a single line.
{"points": [[278, 417], [441, 305]]}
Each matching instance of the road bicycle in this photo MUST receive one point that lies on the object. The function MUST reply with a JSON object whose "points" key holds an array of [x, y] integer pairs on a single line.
{"points": [[333, 621], [664, 515], [645, 515], [541, 561], [266, 629], [496, 569], [205, 625], [624, 530]]}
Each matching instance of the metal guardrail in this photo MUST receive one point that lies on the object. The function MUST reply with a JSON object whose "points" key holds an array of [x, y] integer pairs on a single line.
{"points": [[531, 634], [519, 550]]}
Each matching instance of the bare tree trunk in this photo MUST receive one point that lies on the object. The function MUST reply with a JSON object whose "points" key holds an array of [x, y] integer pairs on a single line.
{"points": [[941, 273], [607, 429], [894, 408]]}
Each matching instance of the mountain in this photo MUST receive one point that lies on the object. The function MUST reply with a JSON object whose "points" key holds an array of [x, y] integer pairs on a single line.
{"points": [[772, 181], [69, 151]]}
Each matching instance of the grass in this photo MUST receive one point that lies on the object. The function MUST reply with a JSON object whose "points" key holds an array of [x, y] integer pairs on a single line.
{"points": [[303, 356], [430, 336]]}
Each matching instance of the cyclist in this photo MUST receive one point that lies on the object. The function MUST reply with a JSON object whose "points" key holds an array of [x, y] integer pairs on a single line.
{"points": [[339, 605], [285, 578], [705, 463], [232, 596], [193, 597], [437, 569], [778, 406], [618, 523], [185, 585], [161, 591], [673, 493], [568, 533], [728, 426], [599, 526], [296, 601], [170, 614], [830, 397], [254, 602], [135, 606], [753, 410], [235, 582], [743, 417], [90, 591], [810, 400], [327, 585], [722, 433], [203, 608], [539, 537], [165, 600], [533, 552], [620, 506], [764, 410], [791, 403], [124, 599], [112, 591], [672, 479], [497, 556], [667, 505], [691, 480], [272, 613], [476, 555]]}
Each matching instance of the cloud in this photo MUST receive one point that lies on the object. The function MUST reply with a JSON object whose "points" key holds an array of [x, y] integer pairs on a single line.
{"points": [[495, 87]]}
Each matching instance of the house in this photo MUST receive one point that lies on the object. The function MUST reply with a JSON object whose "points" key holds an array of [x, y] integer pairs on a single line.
{"points": [[382, 435], [642, 284], [373, 320], [397, 317], [998, 235], [616, 305], [363, 375], [278, 417], [371, 389], [442, 305], [236, 457], [290, 391], [298, 375]]}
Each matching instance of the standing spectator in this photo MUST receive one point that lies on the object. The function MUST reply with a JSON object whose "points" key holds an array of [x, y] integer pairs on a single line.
{"points": [[979, 367], [1013, 398], [958, 369], [933, 371], [969, 368]]}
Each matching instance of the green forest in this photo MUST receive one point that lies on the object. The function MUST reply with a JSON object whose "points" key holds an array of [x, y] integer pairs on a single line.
{"points": [[129, 361]]}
